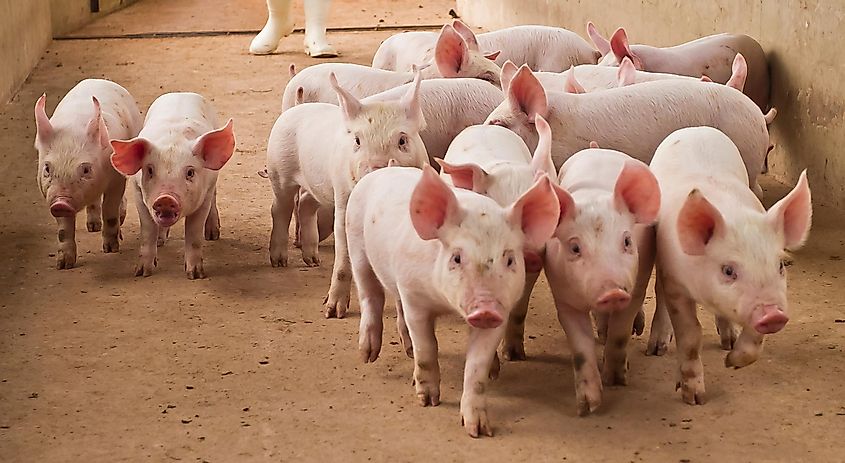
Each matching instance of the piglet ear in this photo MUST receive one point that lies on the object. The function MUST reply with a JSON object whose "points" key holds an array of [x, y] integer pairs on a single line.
{"points": [[216, 147], [571, 85], [348, 103], [567, 204], [466, 33], [97, 130], [433, 205], [411, 102], [42, 122], [621, 49], [451, 52], [594, 144], [508, 71], [793, 214], [627, 73], [467, 176], [601, 43], [739, 72], [128, 156], [542, 160], [637, 191], [526, 94], [699, 222], [492, 56], [536, 213]]}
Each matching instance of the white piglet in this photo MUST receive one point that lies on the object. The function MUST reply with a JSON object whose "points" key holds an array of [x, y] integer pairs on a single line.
{"points": [[495, 162], [600, 260], [325, 150], [74, 171], [174, 163], [452, 58], [717, 246], [442, 250]]}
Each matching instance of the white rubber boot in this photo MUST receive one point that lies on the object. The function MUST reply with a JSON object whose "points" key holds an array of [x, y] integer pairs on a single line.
{"points": [[316, 44], [279, 25]]}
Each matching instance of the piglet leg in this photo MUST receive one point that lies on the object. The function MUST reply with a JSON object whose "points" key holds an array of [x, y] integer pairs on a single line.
{"points": [[481, 352]]}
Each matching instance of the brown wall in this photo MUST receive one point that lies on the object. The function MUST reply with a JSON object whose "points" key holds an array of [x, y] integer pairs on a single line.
{"points": [[24, 35], [802, 40], [69, 15]]}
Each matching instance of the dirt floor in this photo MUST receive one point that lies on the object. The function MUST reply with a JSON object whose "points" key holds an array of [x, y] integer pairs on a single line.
{"points": [[97, 365]]}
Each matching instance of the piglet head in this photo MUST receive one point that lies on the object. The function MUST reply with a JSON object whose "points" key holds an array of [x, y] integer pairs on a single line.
{"points": [[479, 266], [458, 56], [380, 131], [596, 251], [175, 179], [741, 262], [525, 100], [72, 161]]}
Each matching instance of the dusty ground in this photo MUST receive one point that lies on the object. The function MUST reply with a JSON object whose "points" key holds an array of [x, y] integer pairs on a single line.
{"points": [[96, 365]]}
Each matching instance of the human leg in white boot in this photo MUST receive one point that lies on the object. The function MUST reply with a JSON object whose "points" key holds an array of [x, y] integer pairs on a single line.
{"points": [[280, 24], [316, 44]]}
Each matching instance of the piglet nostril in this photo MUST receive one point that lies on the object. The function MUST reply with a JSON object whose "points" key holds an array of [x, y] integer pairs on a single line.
{"points": [[613, 300]]}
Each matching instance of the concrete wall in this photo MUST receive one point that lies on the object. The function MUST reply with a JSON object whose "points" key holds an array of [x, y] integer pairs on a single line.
{"points": [[69, 15], [26, 28], [24, 35], [801, 38]]}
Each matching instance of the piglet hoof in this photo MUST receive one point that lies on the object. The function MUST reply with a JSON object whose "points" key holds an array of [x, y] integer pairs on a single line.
{"points": [[195, 272], [111, 244], [495, 367], [615, 375], [475, 422], [407, 344], [94, 225], [692, 391], [336, 308], [727, 334], [587, 402], [311, 261], [212, 233], [369, 342], [145, 267], [163, 234], [639, 323], [513, 352], [427, 396], [739, 359], [278, 260], [65, 260], [658, 344]]}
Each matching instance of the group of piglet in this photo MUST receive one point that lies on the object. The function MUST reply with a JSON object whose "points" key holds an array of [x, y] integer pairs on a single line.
{"points": [[595, 164]]}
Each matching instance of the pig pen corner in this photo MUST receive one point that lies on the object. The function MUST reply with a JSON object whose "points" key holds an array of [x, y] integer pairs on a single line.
{"points": [[177, 283]]}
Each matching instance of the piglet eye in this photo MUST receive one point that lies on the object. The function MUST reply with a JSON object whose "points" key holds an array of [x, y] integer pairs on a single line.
{"points": [[47, 170], [190, 173], [627, 241], [85, 169], [456, 259], [575, 247], [498, 122], [403, 140], [511, 261], [782, 267], [357, 141], [729, 272], [150, 171]]}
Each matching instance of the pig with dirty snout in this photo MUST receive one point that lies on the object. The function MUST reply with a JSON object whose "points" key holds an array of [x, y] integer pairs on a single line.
{"points": [[600, 260], [74, 172], [718, 247], [495, 162], [441, 250], [174, 163], [323, 150]]}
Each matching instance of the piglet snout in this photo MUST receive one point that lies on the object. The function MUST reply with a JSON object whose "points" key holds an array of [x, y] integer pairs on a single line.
{"points": [[61, 207], [167, 209], [485, 313], [613, 300], [768, 319]]}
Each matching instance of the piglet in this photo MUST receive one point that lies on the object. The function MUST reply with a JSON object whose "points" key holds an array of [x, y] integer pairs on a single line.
{"points": [[495, 162], [712, 56], [625, 119], [718, 247], [441, 250], [452, 58], [174, 163], [542, 48], [325, 150], [600, 260], [73, 161]]}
